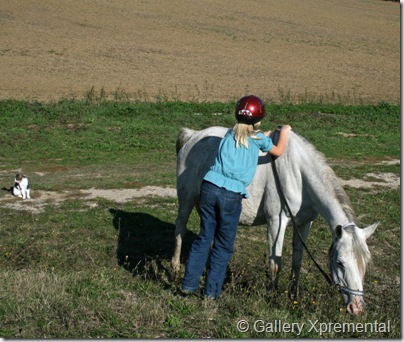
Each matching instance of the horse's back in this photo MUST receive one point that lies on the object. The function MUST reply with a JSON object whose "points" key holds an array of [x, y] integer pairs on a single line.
{"points": [[196, 148], [183, 137], [197, 152]]}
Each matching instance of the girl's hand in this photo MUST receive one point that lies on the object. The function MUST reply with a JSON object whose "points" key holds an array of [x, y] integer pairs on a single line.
{"points": [[267, 133], [286, 128]]}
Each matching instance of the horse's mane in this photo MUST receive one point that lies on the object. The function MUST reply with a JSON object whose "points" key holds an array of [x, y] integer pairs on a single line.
{"points": [[327, 174], [362, 254]]}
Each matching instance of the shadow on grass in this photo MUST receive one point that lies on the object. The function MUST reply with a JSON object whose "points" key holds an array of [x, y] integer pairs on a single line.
{"points": [[145, 242]]}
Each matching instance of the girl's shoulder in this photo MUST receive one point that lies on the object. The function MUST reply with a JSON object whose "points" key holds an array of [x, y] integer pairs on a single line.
{"points": [[262, 141], [229, 133], [260, 135], [257, 136]]}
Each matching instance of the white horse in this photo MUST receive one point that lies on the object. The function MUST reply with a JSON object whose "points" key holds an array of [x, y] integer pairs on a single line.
{"points": [[309, 186]]}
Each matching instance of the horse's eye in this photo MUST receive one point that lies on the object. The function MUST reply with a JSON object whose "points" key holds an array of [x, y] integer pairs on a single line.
{"points": [[339, 263]]}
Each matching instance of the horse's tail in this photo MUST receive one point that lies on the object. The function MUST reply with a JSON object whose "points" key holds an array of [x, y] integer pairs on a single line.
{"points": [[183, 137]]}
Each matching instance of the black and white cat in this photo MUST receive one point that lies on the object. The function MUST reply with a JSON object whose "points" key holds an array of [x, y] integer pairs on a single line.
{"points": [[21, 186]]}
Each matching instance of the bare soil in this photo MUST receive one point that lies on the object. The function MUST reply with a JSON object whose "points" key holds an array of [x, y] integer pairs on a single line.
{"points": [[200, 50]]}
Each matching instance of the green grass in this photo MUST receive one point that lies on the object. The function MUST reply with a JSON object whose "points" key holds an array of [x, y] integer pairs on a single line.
{"points": [[75, 271]]}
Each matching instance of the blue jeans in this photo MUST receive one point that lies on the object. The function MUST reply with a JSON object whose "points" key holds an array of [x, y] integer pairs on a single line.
{"points": [[220, 214]]}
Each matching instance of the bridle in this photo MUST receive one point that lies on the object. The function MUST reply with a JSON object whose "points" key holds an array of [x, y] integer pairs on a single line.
{"points": [[351, 291], [341, 288]]}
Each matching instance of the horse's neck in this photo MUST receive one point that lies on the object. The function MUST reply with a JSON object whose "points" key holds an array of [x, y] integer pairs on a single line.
{"points": [[329, 198], [331, 210]]}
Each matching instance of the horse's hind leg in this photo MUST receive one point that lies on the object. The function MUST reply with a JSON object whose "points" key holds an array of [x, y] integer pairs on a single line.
{"points": [[184, 210], [297, 257]]}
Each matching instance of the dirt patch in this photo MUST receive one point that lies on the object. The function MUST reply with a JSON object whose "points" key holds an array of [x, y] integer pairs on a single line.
{"points": [[123, 195], [210, 50], [39, 199], [372, 180]]}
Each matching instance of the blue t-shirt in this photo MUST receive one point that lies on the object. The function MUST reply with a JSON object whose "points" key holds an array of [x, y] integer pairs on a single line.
{"points": [[234, 168]]}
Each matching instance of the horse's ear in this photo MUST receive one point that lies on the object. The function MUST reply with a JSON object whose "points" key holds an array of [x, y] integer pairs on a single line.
{"points": [[368, 231], [338, 231]]}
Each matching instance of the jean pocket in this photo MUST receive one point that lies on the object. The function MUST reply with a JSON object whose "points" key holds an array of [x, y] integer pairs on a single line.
{"points": [[232, 205], [206, 197]]}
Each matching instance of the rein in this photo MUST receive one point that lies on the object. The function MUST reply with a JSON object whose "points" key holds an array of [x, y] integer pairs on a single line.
{"points": [[282, 195]]}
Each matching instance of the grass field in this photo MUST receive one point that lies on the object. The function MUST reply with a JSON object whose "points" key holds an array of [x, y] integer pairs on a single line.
{"points": [[87, 268]]}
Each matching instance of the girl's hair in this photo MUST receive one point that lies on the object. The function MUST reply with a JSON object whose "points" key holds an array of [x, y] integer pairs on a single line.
{"points": [[242, 131]]}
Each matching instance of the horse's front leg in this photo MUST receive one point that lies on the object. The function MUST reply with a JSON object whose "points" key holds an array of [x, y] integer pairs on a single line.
{"points": [[276, 233], [297, 257]]}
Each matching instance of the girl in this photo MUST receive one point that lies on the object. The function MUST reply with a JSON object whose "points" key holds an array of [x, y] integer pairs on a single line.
{"points": [[221, 194]]}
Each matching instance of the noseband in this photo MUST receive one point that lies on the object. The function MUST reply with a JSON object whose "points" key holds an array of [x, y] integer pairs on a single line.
{"points": [[351, 291]]}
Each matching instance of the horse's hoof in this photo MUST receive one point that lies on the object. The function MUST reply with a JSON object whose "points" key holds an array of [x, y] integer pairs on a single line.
{"points": [[176, 267], [292, 291], [273, 285]]}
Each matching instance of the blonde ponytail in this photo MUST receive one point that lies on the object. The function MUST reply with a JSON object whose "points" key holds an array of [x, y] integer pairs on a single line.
{"points": [[242, 131]]}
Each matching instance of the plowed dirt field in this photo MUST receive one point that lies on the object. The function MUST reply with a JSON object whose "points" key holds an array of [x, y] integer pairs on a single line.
{"points": [[200, 50]]}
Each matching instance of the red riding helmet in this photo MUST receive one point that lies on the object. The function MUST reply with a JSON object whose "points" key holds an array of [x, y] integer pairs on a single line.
{"points": [[250, 109]]}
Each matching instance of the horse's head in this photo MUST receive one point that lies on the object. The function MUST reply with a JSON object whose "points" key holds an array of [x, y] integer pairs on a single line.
{"points": [[349, 256]]}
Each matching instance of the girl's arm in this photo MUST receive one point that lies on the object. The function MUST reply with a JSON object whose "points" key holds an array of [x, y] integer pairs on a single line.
{"points": [[278, 149]]}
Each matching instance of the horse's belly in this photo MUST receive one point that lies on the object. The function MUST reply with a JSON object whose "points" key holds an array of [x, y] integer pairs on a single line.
{"points": [[252, 214]]}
